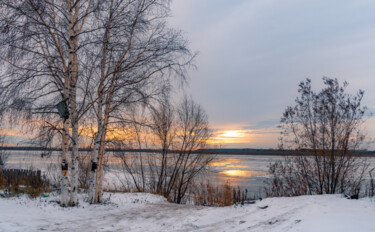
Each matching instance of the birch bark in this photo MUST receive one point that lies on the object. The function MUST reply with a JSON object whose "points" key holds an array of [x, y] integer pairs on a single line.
{"points": [[73, 106], [64, 201], [93, 194]]}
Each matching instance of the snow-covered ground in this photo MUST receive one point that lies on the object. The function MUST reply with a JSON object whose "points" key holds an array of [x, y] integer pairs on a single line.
{"points": [[147, 212]]}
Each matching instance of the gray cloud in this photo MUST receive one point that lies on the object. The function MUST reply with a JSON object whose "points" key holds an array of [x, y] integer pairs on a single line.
{"points": [[254, 53]]}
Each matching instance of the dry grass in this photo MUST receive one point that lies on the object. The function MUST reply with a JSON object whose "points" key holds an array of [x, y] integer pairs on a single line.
{"points": [[16, 181]]}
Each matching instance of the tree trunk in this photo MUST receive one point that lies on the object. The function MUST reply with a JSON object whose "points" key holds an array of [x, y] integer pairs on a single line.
{"points": [[75, 159], [73, 60], [93, 192], [100, 174], [75, 136], [64, 165], [94, 159]]}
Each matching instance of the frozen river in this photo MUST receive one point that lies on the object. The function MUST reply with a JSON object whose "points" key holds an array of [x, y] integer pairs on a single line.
{"points": [[245, 171]]}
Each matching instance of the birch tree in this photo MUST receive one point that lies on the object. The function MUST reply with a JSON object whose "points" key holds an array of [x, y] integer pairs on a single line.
{"points": [[138, 52], [40, 42], [56, 52]]}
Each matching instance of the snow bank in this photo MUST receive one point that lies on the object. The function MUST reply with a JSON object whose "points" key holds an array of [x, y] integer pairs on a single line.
{"points": [[147, 212]]}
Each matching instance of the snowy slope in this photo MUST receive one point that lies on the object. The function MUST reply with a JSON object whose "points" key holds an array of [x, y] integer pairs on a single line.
{"points": [[147, 212]]}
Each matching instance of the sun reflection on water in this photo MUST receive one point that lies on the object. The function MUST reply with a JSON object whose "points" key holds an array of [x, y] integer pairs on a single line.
{"points": [[236, 168], [241, 173]]}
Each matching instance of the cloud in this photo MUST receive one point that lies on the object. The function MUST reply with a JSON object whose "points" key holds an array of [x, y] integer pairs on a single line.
{"points": [[254, 53]]}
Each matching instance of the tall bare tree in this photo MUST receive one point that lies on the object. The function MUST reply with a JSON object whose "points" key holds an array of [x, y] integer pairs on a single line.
{"points": [[137, 53], [59, 51], [40, 42], [192, 133]]}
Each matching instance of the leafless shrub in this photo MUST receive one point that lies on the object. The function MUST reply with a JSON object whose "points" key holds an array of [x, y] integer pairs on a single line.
{"points": [[177, 133], [370, 188], [135, 170], [52, 174], [3, 158], [3, 154], [320, 133], [84, 168]]}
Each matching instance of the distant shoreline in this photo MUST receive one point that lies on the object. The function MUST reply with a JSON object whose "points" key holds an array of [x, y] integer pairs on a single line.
{"points": [[272, 152], [246, 151]]}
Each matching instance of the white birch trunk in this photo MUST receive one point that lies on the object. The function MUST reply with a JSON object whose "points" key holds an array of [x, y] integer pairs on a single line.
{"points": [[94, 159], [75, 137], [100, 171], [64, 201], [73, 60], [75, 158], [98, 143], [108, 101], [100, 174]]}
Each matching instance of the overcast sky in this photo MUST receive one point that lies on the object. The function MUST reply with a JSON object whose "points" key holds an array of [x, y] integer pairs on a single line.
{"points": [[253, 54]]}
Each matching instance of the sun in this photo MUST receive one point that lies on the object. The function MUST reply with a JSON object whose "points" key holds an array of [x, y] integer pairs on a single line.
{"points": [[231, 134]]}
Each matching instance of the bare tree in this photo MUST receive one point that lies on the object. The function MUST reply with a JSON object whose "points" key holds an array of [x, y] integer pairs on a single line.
{"points": [[321, 131], [40, 42], [86, 56], [137, 53], [163, 127], [177, 132], [192, 133]]}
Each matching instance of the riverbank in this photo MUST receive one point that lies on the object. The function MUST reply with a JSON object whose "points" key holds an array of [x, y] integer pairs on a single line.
{"points": [[147, 212]]}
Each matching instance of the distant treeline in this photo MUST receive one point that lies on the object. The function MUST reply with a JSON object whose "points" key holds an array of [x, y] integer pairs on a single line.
{"points": [[250, 151], [24, 148], [245, 151]]}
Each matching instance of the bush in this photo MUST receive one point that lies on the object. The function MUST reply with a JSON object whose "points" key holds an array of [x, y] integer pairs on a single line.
{"points": [[319, 134]]}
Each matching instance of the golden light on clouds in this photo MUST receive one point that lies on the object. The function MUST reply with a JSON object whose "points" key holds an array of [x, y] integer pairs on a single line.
{"points": [[14, 132], [113, 133], [233, 136], [224, 137]]}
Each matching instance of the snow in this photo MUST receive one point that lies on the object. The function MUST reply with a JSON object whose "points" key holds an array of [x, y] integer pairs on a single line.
{"points": [[148, 212]]}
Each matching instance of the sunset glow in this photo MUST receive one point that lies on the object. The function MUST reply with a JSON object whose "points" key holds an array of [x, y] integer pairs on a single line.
{"points": [[231, 134], [223, 137]]}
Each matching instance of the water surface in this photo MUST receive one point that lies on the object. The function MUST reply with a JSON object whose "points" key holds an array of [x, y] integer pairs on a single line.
{"points": [[244, 171]]}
